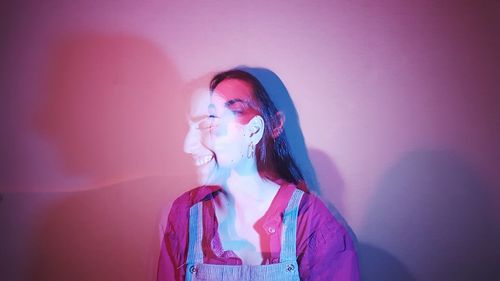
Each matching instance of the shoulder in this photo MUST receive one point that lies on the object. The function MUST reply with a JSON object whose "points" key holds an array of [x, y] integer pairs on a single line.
{"points": [[325, 247], [310, 206], [312, 210], [319, 230], [315, 215], [193, 196], [179, 211]]}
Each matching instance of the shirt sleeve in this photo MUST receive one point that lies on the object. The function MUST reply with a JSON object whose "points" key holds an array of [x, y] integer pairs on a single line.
{"points": [[325, 249], [171, 263]]}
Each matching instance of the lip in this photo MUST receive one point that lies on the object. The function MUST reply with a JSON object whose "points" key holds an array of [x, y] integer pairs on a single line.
{"points": [[202, 160]]}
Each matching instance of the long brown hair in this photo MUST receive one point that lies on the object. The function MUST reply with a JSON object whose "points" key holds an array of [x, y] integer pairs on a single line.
{"points": [[273, 155]]}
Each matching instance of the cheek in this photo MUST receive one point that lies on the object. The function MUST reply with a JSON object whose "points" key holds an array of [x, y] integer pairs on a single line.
{"points": [[192, 140], [227, 133], [207, 138], [229, 141]]}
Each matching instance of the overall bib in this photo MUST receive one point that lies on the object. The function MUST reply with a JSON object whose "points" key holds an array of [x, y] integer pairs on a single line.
{"points": [[286, 270]]}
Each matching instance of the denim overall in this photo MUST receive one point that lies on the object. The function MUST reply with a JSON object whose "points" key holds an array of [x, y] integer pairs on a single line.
{"points": [[285, 270]]}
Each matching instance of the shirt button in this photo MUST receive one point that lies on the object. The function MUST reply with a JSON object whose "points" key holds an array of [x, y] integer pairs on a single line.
{"points": [[192, 269], [290, 267], [271, 230]]}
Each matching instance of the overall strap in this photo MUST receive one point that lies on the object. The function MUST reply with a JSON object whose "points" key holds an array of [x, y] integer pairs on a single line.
{"points": [[289, 231], [195, 252]]}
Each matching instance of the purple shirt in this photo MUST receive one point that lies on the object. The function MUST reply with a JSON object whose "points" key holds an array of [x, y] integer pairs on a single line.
{"points": [[325, 250]]}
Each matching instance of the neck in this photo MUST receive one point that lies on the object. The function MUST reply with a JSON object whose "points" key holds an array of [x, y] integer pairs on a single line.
{"points": [[246, 185], [244, 192]]}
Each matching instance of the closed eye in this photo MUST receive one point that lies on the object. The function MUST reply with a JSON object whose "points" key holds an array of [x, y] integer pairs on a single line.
{"points": [[237, 106]]}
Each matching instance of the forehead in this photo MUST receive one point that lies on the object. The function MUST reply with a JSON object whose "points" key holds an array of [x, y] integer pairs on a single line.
{"points": [[200, 102], [227, 90], [233, 89]]}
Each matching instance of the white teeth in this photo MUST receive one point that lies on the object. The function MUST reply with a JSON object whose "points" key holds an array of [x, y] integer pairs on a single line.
{"points": [[202, 160]]}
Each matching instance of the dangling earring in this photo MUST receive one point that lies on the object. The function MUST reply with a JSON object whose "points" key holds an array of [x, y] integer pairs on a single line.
{"points": [[250, 150]]}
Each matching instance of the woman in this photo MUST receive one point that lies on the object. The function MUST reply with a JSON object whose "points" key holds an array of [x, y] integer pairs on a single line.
{"points": [[252, 219]]}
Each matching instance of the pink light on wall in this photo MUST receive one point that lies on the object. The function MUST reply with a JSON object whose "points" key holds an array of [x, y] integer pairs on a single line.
{"points": [[388, 94]]}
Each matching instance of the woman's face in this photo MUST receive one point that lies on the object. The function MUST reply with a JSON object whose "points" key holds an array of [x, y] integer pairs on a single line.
{"points": [[219, 131]]}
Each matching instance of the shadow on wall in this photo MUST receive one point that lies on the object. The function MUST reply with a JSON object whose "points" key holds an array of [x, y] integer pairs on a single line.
{"points": [[330, 186], [114, 113], [432, 211], [112, 107], [378, 264], [330, 182], [110, 233]]}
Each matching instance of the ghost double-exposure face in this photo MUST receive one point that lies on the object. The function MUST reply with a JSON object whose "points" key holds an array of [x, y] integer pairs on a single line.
{"points": [[222, 129]]}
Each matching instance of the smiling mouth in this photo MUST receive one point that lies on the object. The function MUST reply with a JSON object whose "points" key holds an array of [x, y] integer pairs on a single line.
{"points": [[202, 160]]}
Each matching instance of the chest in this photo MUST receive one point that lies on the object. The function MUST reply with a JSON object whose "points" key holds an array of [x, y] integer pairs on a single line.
{"points": [[240, 233]]}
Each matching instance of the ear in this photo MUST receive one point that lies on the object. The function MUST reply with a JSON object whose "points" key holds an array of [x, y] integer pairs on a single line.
{"points": [[255, 128]]}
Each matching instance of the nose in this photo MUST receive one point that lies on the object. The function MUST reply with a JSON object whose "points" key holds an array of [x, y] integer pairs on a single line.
{"points": [[192, 141]]}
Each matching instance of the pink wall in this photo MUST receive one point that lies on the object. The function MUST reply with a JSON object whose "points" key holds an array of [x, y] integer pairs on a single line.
{"points": [[398, 104]]}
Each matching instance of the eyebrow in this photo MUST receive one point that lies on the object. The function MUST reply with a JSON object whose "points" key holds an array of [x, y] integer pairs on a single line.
{"points": [[232, 102], [228, 104]]}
